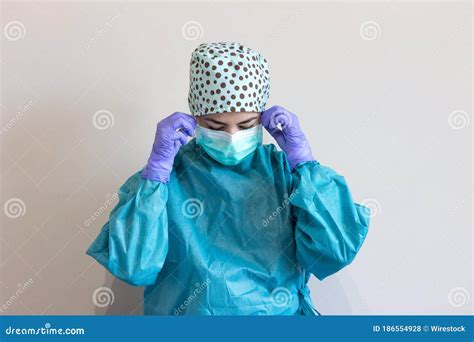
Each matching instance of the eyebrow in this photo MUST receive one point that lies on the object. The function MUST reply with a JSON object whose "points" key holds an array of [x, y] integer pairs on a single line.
{"points": [[239, 123], [247, 121]]}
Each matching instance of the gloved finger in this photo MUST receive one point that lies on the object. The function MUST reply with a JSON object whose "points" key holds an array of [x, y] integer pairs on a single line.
{"points": [[184, 122], [183, 125], [266, 116], [179, 137], [276, 117], [282, 120]]}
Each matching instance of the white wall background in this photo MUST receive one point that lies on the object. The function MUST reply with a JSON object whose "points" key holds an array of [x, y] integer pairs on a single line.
{"points": [[383, 90]]}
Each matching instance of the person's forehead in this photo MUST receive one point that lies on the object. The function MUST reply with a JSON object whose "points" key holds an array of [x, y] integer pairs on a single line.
{"points": [[232, 116]]}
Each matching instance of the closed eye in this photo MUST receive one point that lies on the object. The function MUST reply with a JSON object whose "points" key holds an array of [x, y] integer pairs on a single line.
{"points": [[216, 128], [248, 123]]}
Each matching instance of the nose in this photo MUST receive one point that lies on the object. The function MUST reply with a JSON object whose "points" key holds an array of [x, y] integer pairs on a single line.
{"points": [[232, 129]]}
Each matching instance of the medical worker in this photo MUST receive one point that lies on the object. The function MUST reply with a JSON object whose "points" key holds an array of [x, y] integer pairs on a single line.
{"points": [[217, 223]]}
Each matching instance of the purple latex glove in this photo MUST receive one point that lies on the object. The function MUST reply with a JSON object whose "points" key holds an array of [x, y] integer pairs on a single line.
{"points": [[171, 133], [285, 129]]}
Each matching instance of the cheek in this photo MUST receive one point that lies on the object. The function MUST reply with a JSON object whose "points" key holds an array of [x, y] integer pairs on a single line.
{"points": [[201, 122]]}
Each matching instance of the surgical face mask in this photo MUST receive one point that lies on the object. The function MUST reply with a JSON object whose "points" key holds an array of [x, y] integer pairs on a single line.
{"points": [[226, 148]]}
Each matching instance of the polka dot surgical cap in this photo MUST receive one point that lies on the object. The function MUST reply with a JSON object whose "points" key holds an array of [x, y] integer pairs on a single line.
{"points": [[227, 77]]}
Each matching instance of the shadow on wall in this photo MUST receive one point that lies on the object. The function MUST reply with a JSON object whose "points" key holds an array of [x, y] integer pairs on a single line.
{"points": [[126, 300]]}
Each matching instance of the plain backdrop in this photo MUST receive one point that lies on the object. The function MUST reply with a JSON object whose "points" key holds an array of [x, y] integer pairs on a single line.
{"points": [[382, 89]]}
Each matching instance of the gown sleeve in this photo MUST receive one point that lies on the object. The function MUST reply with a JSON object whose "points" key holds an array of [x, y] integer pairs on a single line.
{"points": [[133, 244], [330, 228]]}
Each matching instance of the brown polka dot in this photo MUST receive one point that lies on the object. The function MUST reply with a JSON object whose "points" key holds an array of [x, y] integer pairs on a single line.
{"points": [[232, 109], [242, 96], [218, 75], [222, 85], [222, 98]]}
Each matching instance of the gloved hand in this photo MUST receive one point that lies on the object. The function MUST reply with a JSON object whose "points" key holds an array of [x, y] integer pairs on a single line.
{"points": [[285, 129], [171, 134]]}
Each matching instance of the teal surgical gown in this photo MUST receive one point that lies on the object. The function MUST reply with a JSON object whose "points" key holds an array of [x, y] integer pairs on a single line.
{"points": [[240, 240]]}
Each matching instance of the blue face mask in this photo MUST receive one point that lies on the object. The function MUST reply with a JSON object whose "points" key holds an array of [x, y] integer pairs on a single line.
{"points": [[226, 148]]}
